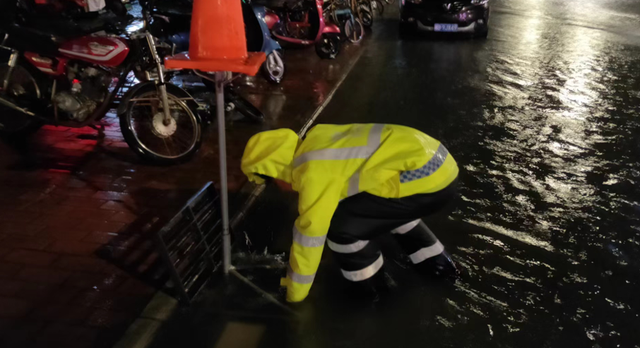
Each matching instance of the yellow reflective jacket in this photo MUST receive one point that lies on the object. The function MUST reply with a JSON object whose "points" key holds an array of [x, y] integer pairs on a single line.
{"points": [[334, 162]]}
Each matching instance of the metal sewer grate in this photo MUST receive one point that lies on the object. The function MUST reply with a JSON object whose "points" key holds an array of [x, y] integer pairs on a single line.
{"points": [[191, 243]]}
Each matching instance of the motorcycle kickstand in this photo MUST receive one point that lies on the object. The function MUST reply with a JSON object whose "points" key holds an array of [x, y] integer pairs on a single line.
{"points": [[100, 127]]}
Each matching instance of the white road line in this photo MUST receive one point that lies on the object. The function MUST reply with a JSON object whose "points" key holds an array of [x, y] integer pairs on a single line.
{"points": [[319, 110]]}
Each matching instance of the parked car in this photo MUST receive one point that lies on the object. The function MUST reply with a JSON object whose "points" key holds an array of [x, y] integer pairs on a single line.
{"points": [[464, 16]]}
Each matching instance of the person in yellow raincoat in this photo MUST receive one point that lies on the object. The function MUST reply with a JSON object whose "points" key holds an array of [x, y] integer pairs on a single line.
{"points": [[356, 182]]}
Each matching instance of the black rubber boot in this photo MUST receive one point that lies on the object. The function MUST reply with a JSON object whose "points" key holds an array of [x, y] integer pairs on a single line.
{"points": [[371, 289], [440, 266]]}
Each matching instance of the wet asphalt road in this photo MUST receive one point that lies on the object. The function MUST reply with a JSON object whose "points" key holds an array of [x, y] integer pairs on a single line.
{"points": [[542, 118]]}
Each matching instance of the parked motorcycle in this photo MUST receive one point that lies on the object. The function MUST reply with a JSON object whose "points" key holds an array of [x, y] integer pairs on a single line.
{"points": [[351, 27], [364, 10], [303, 23], [73, 81], [172, 23]]}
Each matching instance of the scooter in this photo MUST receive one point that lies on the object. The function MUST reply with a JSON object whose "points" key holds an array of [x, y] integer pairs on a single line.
{"points": [[304, 24], [340, 13], [261, 41], [172, 22]]}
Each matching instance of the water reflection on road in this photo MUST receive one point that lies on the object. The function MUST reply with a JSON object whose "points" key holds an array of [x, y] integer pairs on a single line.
{"points": [[544, 119]]}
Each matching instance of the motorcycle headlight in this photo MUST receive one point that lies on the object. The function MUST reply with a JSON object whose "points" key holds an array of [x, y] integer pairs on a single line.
{"points": [[479, 2]]}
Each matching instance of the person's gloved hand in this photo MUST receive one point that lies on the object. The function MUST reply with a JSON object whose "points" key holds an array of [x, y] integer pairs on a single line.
{"points": [[290, 295]]}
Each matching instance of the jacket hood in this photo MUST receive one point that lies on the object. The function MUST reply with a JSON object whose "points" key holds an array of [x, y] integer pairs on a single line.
{"points": [[270, 153]]}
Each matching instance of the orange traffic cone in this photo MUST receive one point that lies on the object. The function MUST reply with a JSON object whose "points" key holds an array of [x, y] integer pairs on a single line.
{"points": [[217, 40]]}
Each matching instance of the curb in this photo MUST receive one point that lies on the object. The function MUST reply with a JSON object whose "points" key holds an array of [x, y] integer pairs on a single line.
{"points": [[143, 330]]}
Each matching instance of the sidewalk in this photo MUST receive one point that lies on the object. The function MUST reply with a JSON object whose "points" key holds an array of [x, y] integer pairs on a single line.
{"points": [[72, 201]]}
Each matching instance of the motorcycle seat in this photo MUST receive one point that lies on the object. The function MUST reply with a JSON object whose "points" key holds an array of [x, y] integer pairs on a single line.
{"points": [[68, 28], [30, 39], [44, 35]]}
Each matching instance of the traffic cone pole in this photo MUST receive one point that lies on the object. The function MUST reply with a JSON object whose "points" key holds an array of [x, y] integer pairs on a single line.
{"points": [[224, 51], [222, 148]]}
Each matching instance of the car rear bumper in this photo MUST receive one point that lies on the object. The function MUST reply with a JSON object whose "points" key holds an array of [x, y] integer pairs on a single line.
{"points": [[424, 16]]}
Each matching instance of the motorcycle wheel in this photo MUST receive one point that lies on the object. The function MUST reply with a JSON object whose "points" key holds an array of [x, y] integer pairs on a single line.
{"points": [[14, 125], [328, 46], [147, 135], [353, 30], [377, 6], [273, 68], [366, 14]]}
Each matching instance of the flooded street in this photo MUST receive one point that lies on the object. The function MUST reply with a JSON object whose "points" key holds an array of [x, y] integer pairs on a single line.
{"points": [[542, 118]]}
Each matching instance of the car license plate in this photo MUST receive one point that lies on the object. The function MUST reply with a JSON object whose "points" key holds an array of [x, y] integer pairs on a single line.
{"points": [[446, 27]]}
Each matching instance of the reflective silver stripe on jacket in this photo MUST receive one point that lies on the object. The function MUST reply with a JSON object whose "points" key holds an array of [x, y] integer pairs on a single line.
{"points": [[356, 152], [306, 241], [432, 165], [406, 227], [365, 273], [299, 278], [373, 143], [427, 252], [354, 184], [347, 248]]}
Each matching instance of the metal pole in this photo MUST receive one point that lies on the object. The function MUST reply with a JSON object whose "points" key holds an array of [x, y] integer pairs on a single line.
{"points": [[224, 198]]}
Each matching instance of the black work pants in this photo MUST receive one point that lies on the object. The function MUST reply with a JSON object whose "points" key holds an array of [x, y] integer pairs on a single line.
{"points": [[363, 217]]}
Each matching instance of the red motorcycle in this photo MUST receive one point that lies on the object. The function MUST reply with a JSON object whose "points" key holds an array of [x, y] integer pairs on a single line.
{"points": [[74, 81], [304, 24]]}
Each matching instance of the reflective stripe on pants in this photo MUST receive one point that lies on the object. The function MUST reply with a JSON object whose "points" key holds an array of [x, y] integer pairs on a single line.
{"points": [[419, 242], [406, 227], [427, 253], [347, 248], [364, 273]]}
